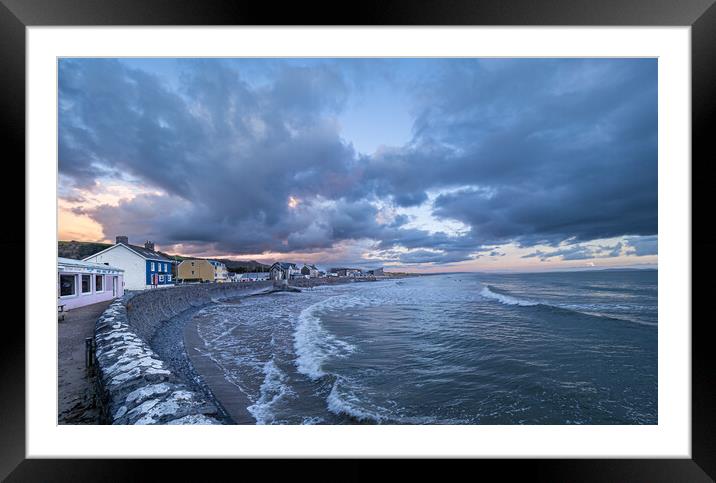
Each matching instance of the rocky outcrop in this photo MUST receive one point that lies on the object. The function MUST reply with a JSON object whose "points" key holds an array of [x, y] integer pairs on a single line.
{"points": [[138, 387]]}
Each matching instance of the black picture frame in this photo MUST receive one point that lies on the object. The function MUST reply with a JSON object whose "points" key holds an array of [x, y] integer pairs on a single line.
{"points": [[16, 15]]}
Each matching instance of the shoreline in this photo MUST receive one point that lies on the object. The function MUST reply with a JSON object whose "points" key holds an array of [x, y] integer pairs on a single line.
{"points": [[170, 344], [204, 372]]}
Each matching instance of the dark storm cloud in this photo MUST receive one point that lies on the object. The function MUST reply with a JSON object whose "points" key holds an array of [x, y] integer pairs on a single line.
{"points": [[551, 150], [232, 153], [525, 151], [410, 199]]}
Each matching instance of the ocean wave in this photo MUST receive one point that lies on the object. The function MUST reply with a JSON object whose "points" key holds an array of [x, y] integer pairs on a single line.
{"points": [[581, 309], [505, 299], [313, 344], [345, 402], [349, 405], [272, 389]]}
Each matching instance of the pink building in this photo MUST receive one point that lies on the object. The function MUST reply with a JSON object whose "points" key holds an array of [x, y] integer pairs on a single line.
{"points": [[84, 283]]}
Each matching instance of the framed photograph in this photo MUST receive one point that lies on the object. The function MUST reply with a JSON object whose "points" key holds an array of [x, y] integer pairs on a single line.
{"points": [[437, 232]]}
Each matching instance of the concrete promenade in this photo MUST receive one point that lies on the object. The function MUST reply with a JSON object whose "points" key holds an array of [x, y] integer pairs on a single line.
{"points": [[75, 390]]}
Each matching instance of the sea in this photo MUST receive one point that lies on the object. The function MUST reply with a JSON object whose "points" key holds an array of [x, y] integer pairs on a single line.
{"points": [[461, 348]]}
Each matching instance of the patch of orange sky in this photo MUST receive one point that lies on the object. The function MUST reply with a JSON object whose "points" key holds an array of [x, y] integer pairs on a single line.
{"points": [[81, 227], [343, 251]]}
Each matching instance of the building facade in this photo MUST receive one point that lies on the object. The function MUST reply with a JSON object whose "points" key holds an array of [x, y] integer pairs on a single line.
{"points": [[310, 270], [252, 277], [143, 267], [346, 272], [82, 283], [199, 270], [283, 271], [221, 273]]}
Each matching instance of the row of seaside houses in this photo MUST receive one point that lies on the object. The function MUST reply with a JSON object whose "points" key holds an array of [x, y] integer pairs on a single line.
{"points": [[287, 271], [105, 275]]}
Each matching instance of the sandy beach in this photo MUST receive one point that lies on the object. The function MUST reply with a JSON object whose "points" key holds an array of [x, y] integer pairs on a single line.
{"points": [[179, 344]]}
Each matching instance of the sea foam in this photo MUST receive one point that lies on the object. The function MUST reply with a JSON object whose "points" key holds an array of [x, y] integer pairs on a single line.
{"points": [[273, 388], [313, 344], [506, 299], [582, 309]]}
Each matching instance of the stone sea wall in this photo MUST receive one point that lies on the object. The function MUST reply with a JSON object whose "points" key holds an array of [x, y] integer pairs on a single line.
{"points": [[137, 386], [148, 309]]}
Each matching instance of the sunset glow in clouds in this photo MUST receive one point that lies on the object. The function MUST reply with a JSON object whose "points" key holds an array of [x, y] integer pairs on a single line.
{"points": [[417, 164]]}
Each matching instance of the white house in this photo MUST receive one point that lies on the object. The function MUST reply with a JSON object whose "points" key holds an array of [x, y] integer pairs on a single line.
{"points": [[309, 270], [82, 283], [221, 273], [284, 271], [143, 267]]}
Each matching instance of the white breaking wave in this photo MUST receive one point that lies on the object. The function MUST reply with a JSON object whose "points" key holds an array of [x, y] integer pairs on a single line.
{"points": [[506, 299], [586, 309], [313, 344], [272, 390], [348, 405]]}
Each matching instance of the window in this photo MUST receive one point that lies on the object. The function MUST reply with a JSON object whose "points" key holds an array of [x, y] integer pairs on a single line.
{"points": [[86, 284], [99, 283], [67, 285], [169, 278], [152, 269], [166, 267], [161, 278]]}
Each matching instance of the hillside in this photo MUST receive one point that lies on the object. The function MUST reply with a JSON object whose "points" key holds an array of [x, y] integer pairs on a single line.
{"points": [[244, 267], [79, 250]]}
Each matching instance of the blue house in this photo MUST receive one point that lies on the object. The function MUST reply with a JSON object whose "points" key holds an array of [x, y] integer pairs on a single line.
{"points": [[143, 266]]}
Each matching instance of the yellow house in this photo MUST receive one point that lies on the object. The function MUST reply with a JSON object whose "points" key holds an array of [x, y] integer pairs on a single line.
{"points": [[202, 271]]}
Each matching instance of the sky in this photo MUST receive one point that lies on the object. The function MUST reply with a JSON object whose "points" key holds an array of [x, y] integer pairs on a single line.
{"points": [[415, 164]]}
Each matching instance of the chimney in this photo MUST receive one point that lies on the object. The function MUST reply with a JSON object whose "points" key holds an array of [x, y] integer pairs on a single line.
{"points": [[149, 245], [123, 239]]}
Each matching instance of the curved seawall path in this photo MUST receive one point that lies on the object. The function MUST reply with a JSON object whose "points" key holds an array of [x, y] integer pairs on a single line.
{"points": [[137, 384]]}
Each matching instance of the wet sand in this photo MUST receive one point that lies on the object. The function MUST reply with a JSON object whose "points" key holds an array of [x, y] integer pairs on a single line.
{"points": [[226, 395], [178, 343]]}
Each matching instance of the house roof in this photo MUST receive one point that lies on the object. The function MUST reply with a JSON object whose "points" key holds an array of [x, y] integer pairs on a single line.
{"points": [[149, 254], [72, 263], [284, 265], [141, 251]]}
